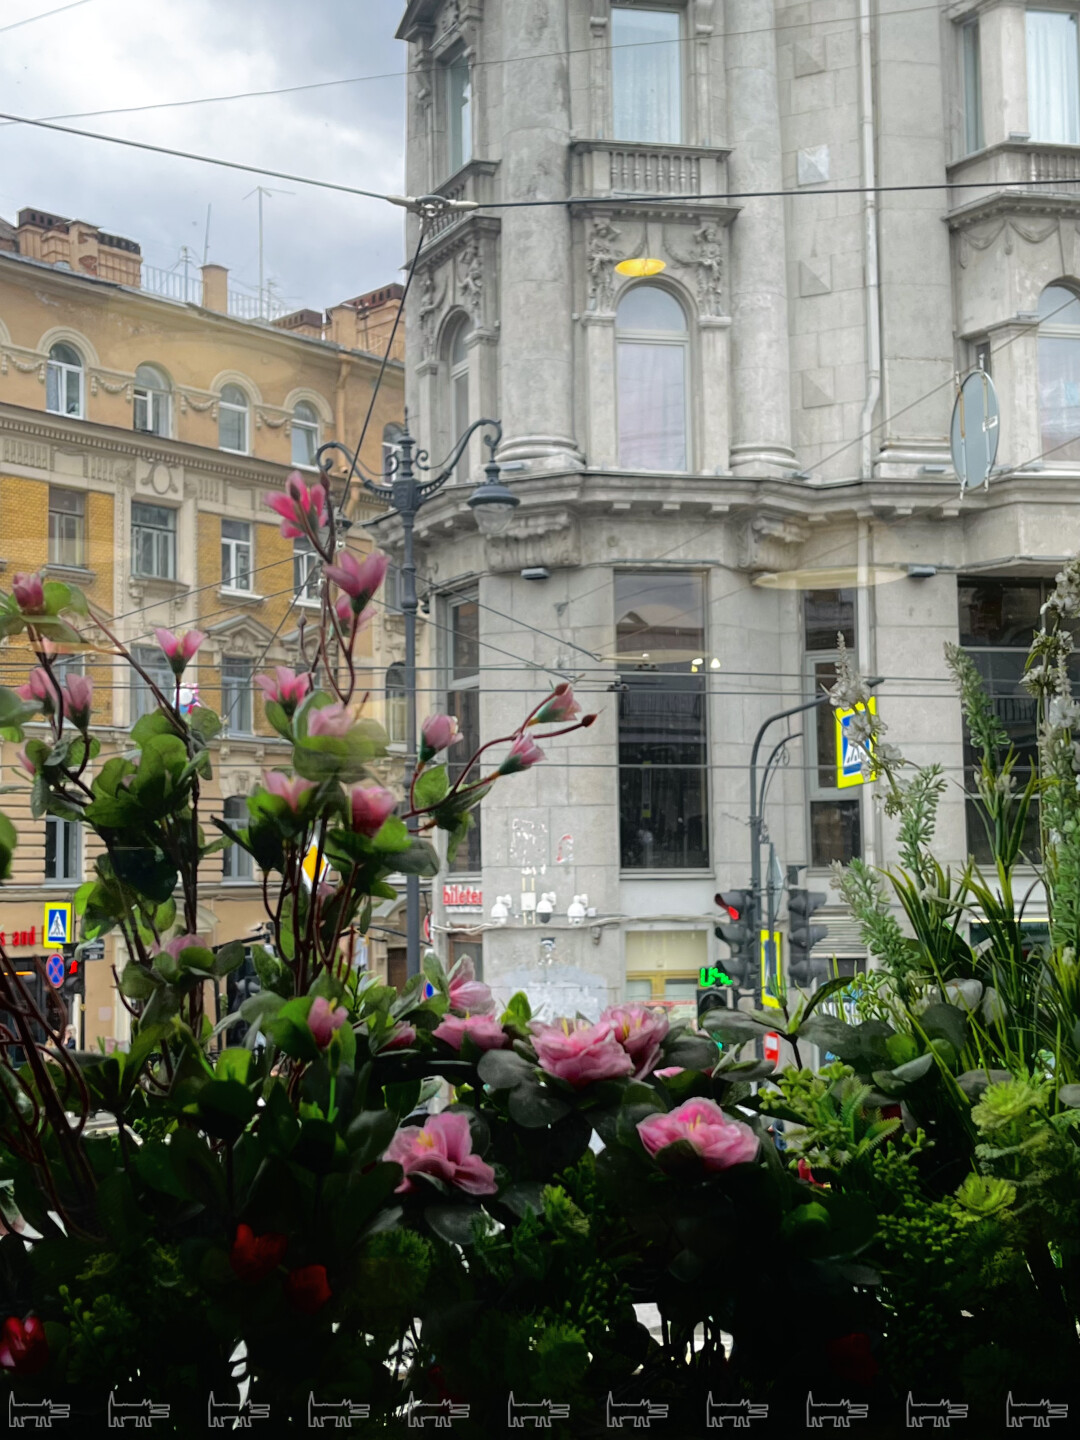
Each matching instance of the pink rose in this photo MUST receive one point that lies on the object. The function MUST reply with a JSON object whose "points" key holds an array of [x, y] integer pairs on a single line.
{"points": [[371, 806], [442, 1149], [333, 720], [523, 753], [302, 510], [483, 1030], [580, 1053], [287, 689], [179, 648], [401, 1039], [29, 594], [358, 578], [78, 700], [438, 732], [558, 708], [469, 996], [719, 1141], [323, 1019], [289, 788], [639, 1031]]}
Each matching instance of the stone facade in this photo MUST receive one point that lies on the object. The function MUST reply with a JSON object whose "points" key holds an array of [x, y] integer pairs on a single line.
{"points": [[824, 327]]}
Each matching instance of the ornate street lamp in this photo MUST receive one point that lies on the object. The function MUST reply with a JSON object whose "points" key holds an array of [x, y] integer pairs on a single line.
{"points": [[491, 503]]}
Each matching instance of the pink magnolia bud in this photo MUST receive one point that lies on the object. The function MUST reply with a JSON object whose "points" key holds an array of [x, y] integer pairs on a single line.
{"points": [[438, 732], [29, 594], [523, 753], [323, 1020], [371, 806], [287, 690], [358, 578], [290, 788], [558, 708], [78, 700], [40, 689], [179, 649], [24, 760], [302, 510], [333, 720]]}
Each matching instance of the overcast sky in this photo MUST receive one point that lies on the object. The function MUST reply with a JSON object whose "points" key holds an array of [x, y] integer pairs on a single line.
{"points": [[100, 54]]}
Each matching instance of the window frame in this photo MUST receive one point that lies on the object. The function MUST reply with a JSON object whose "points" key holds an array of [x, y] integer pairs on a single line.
{"points": [[60, 373], [77, 541], [459, 123], [234, 408], [306, 591], [816, 792], [1069, 452], [396, 702], [140, 699], [232, 548], [237, 864], [66, 833], [168, 531], [682, 340], [974, 138], [155, 400], [458, 401], [1074, 16], [243, 692], [308, 427], [683, 70], [454, 684]]}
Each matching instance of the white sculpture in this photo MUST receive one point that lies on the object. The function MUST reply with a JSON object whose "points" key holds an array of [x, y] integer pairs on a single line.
{"points": [[500, 911], [545, 907], [575, 911]]}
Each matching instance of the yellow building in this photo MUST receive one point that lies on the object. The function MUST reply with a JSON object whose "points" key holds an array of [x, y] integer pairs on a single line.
{"points": [[144, 419]]}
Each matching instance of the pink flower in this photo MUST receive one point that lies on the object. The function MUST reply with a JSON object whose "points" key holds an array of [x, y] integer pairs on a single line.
{"points": [[358, 578], [182, 942], [179, 648], [40, 688], [523, 753], [302, 510], [78, 700], [639, 1031], [348, 618], [558, 708], [29, 594], [469, 996], [438, 732], [333, 720], [371, 805], [323, 1020], [667, 1073], [483, 1030], [401, 1039], [287, 690], [25, 761], [443, 1150], [580, 1053], [291, 789], [719, 1141]]}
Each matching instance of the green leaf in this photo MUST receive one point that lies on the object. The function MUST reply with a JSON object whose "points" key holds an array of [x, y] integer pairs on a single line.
{"points": [[289, 1029], [393, 836], [233, 1064], [57, 596], [1069, 1095], [454, 1223], [505, 1070], [137, 983], [14, 711], [518, 1011], [225, 1107], [827, 1033], [196, 1171], [431, 787], [277, 717], [227, 958], [156, 722], [205, 723], [419, 859], [8, 841], [945, 1022], [368, 1135], [534, 1107]]}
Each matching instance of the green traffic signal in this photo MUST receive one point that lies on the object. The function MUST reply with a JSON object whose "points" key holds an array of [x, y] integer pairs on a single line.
{"points": [[710, 975]]}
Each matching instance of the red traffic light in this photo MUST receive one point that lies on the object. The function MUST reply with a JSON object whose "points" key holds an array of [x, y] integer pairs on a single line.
{"points": [[72, 968], [732, 901]]}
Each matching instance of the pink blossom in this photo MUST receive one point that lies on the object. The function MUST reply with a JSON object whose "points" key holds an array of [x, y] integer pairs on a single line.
{"points": [[639, 1031], [78, 700], [719, 1141], [484, 1031], [559, 707], [289, 788], [401, 1039], [323, 1019], [287, 690], [29, 594], [438, 732], [469, 996], [40, 688], [371, 805], [358, 578], [302, 510], [670, 1070], [443, 1150], [523, 753], [179, 648], [182, 942], [333, 720], [24, 760], [580, 1053], [350, 621]]}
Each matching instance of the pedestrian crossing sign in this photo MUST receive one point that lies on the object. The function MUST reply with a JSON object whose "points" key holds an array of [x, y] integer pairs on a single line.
{"points": [[58, 924], [851, 752]]}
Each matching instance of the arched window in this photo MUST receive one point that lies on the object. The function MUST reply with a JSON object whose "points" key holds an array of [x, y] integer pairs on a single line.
{"points": [[233, 420], [64, 381], [458, 366], [1059, 373], [305, 434], [653, 346], [395, 704], [151, 401]]}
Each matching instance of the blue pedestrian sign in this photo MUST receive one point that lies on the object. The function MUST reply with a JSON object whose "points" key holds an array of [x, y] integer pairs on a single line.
{"points": [[851, 753], [58, 924], [54, 971]]}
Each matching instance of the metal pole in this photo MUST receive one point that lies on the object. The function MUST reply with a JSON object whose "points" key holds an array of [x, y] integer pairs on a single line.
{"points": [[405, 491], [261, 316]]}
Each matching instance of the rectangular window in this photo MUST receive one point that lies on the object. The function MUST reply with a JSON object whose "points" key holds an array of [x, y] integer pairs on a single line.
{"points": [[63, 850], [153, 663], [981, 354], [67, 527], [663, 969], [663, 783], [1053, 75], [652, 404], [459, 113], [236, 548], [236, 862], [236, 707], [835, 817], [973, 126], [153, 540], [463, 701], [646, 75], [305, 571]]}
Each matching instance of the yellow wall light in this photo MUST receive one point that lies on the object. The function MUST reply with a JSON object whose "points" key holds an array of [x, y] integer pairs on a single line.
{"points": [[639, 269]]}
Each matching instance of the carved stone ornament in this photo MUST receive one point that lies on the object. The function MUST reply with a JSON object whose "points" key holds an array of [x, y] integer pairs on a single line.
{"points": [[237, 782], [602, 250], [430, 295], [24, 367], [545, 539], [704, 256], [766, 542], [470, 279], [202, 406], [978, 238]]}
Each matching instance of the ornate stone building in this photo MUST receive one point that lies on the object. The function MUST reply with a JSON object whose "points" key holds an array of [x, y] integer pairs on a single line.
{"points": [[723, 465], [140, 435]]}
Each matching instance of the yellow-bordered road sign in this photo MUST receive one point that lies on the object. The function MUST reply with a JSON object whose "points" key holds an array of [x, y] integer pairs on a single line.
{"points": [[851, 753], [770, 943]]}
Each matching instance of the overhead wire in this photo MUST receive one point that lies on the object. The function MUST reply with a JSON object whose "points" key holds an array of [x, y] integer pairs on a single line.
{"points": [[44, 15]]}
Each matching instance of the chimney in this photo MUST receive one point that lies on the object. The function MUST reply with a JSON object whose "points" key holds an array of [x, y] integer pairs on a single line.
{"points": [[215, 288]]}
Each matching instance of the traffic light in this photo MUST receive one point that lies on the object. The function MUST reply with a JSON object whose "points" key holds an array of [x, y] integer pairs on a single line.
{"points": [[803, 970], [73, 987], [242, 983], [736, 929]]}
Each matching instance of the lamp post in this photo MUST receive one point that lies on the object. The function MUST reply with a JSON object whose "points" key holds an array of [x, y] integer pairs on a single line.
{"points": [[491, 503]]}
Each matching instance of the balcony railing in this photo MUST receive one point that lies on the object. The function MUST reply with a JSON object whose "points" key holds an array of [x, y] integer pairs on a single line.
{"points": [[474, 182], [607, 168], [188, 289], [1049, 170]]}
